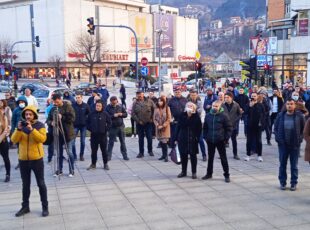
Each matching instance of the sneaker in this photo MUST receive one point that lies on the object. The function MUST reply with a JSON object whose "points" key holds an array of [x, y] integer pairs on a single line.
{"points": [[82, 158], [151, 154], [71, 174], [247, 158], [22, 211], [45, 212], [7, 178], [227, 179], [293, 187], [91, 167], [133, 136], [282, 187], [140, 155], [58, 173], [260, 159], [204, 158], [206, 177], [236, 157], [106, 167]]}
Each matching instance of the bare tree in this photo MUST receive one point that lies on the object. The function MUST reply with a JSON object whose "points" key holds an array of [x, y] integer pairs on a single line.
{"points": [[56, 62], [87, 51], [5, 51]]}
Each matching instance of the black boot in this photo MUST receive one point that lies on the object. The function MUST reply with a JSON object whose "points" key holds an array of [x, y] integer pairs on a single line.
{"points": [[7, 178], [164, 147], [22, 211], [161, 158], [45, 211]]}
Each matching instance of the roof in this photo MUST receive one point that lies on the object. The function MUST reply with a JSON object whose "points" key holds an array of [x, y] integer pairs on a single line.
{"points": [[223, 59]]}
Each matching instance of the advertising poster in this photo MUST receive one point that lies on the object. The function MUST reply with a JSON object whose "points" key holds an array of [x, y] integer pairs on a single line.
{"points": [[303, 27], [165, 23], [263, 60], [273, 45], [142, 24], [262, 46]]}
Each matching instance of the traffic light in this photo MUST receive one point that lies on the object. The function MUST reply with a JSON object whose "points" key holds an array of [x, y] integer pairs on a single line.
{"points": [[91, 26], [198, 66], [267, 69], [7, 72], [248, 68], [37, 41]]}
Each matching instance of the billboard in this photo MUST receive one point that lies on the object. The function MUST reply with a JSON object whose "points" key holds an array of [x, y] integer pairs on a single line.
{"points": [[303, 27], [165, 23], [142, 24], [263, 60], [263, 46]]}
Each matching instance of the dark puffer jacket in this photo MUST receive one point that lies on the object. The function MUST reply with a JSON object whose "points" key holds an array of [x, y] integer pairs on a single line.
{"points": [[299, 124], [234, 114], [217, 127], [188, 133], [98, 122], [116, 121], [256, 117], [177, 106], [81, 113]]}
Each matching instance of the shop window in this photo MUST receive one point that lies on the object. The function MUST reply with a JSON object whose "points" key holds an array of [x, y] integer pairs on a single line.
{"points": [[277, 60], [300, 60]]}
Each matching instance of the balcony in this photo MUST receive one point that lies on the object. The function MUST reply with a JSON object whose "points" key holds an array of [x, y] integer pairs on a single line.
{"points": [[299, 44]]}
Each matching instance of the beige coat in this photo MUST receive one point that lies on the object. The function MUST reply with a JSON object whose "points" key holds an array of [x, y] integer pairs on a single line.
{"points": [[162, 117], [307, 139]]}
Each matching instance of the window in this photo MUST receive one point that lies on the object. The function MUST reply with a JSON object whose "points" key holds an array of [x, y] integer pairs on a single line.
{"points": [[287, 8]]}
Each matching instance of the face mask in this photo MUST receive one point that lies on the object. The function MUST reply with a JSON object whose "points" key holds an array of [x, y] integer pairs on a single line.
{"points": [[22, 105], [189, 110], [295, 98]]}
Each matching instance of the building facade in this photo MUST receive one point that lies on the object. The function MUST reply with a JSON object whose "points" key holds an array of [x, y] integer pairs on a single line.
{"points": [[60, 22], [288, 21]]}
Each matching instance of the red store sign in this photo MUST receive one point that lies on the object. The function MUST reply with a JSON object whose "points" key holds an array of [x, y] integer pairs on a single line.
{"points": [[186, 58]]}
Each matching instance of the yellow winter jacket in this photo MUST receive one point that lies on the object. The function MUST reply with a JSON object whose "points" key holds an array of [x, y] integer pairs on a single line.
{"points": [[30, 142]]}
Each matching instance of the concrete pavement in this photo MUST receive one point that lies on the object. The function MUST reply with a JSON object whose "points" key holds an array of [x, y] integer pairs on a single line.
{"points": [[146, 194]]}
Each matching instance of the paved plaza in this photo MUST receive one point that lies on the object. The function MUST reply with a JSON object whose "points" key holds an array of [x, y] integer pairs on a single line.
{"points": [[146, 194]]}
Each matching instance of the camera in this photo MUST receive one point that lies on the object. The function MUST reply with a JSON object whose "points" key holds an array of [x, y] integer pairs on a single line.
{"points": [[24, 123]]}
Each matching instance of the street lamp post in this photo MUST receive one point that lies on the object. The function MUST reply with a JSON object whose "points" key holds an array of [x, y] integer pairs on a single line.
{"points": [[159, 61]]}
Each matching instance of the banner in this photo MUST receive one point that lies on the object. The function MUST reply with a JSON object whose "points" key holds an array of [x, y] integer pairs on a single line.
{"points": [[273, 45], [263, 60], [142, 24], [303, 27], [165, 23]]}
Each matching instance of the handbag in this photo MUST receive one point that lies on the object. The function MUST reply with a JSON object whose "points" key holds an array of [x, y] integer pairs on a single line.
{"points": [[175, 155]]}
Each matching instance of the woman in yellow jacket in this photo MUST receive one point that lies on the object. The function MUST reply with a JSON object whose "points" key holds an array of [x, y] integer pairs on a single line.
{"points": [[31, 134]]}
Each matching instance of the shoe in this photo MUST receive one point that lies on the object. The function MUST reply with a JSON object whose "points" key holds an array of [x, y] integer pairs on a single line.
{"points": [[45, 212], [247, 158], [269, 143], [125, 158], [7, 178], [91, 167], [58, 173], [204, 158], [140, 155], [22, 211], [161, 158], [236, 157], [49, 161], [182, 175], [109, 158], [166, 159], [82, 158], [133, 136], [71, 174], [151, 154], [293, 187], [227, 179], [194, 176], [260, 159], [106, 167], [17, 166], [282, 187], [206, 177]]}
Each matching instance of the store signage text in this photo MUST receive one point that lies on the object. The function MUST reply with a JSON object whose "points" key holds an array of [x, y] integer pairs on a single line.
{"points": [[115, 57], [186, 58]]}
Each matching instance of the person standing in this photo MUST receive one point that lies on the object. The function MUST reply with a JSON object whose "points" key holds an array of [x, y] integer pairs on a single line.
{"points": [[142, 113], [122, 95], [10, 100], [256, 122], [79, 76], [217, 130], [161, 118], [264, 99], [68, 97], [243, 100], [82, 111], [289, 127], [66, 118], [91, 101], [188, 134], [104, 93], [177, 106], [4, 145], [117, 113], [132, 121], [98, 123], [233, 110], [30, 98], [30, 138], [209, 99], [276, 106]]}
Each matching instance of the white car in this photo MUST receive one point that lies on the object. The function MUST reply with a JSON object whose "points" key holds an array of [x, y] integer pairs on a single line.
{"points": [[42, 95]]}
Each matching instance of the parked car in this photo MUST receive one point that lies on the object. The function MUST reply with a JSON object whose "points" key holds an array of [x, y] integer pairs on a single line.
{"points": [[42, 95], [155, 85], [191, 84], [6, 86], [84, 87], [33, 87], [180, 85]]}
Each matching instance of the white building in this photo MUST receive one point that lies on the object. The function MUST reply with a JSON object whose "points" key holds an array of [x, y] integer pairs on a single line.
{"points": [[60, 22]]}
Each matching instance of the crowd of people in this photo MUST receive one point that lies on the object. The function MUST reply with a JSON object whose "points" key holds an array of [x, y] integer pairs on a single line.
{"points": [[175, 120]]}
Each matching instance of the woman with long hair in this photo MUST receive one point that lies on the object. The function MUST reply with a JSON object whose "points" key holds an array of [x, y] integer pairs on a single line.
{"points": [[161, 118], [4, 145]]}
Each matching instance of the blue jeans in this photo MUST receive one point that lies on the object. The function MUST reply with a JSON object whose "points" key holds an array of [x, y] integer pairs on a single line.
{"points": [[286, 152], [202, 146], [145, 130], [70, 155], [115, 132], [82, 130]]}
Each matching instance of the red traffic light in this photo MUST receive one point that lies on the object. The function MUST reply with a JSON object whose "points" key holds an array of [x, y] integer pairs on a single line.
{"points": [[198, 65], [266, 67]]}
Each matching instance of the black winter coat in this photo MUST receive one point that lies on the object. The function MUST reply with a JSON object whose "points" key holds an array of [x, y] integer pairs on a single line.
{"points": [[217, 127], [116, 121], [188, 133], [177, 106], [98, 122], [243, 101], [81, 114], [256, 117]]}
